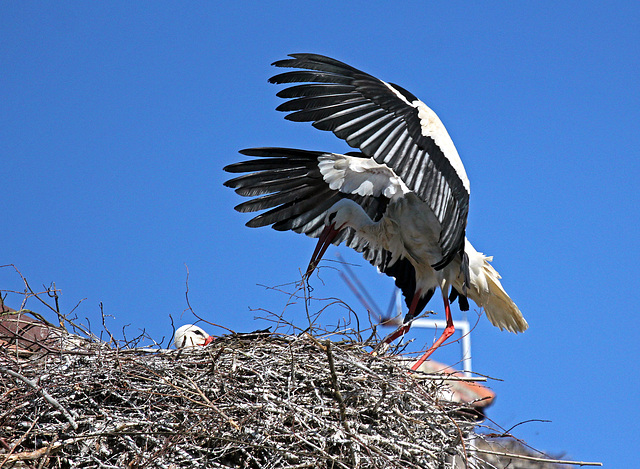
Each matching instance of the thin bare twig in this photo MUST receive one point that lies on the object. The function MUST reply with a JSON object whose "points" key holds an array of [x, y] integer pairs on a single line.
{"points": [[533, 458], [44, 394]]}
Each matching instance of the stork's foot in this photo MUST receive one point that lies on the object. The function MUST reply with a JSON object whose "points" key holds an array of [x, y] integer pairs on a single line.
{"points": [[402, 330], [448, 332], [384, 345]]}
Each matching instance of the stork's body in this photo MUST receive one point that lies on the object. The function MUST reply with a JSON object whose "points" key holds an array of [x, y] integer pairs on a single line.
{"points": [[406, 231], [402, 200]]}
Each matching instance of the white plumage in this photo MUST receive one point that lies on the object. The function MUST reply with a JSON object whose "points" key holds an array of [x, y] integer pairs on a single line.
{"points": [[487, 292], [398, 233], [190, 335], [360, 176]]}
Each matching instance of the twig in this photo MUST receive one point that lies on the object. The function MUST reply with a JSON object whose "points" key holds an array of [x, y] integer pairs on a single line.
{"points": [[211, 405], [533, 458], [104, 326], [334, 381], [31, 455], [447, 377], [44, 393], [19, 442]]}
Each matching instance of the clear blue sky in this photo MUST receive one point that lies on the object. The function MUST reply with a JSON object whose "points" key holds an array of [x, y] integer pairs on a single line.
{"points": [[117, 118]]}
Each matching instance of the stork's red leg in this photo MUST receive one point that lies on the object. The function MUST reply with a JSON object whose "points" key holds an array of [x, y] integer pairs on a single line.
{"points": [[407, 325], [448, 332]]}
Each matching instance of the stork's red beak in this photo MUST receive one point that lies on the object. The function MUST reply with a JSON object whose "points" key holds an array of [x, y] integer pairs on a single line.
{"points": [[208, 340], [324, 241]]}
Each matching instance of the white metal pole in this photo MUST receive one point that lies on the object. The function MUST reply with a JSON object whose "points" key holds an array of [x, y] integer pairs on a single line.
{"points": [[463, 327]]}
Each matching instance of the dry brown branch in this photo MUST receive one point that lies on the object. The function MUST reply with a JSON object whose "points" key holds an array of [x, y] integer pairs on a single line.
{"points": [[19, 442], [336, 387], [44, 393]]}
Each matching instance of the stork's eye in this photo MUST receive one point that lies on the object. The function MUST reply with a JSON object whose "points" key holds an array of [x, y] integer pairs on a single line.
{"points": [[198, 332], [331, 217]]}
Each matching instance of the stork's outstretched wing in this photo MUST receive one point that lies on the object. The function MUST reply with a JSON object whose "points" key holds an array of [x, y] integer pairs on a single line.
{"points": [[289, 184], [386, 123]]}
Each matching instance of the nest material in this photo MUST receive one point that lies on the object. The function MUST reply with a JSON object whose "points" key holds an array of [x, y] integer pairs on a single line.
{"points": [[256, 402]]}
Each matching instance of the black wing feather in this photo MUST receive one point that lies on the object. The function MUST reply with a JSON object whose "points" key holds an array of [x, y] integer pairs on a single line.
{"points": [[356, 115], [405, 278], [289, 186]]}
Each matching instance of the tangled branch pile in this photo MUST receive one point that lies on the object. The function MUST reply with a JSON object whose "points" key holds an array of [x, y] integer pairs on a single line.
{"points": [[245, 401], [259, 400]]}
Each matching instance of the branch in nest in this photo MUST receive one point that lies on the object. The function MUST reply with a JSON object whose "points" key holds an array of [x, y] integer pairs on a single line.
{"points": [[44, 394]]}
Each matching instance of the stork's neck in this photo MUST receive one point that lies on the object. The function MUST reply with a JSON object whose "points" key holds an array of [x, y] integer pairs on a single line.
{"points": [[351, 214], [357, 218]]}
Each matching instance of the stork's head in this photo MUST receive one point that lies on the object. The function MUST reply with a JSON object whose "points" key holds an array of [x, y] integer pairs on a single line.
{"points": [[346, 213], [343, 214], [191, 336]]}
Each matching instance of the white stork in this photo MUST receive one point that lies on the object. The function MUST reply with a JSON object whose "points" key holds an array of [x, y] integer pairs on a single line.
{"points": [[190, 335], [402, 200]]}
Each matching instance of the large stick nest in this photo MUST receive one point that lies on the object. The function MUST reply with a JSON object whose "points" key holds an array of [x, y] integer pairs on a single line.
{"points": [[259, 400], [262, 400]]}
